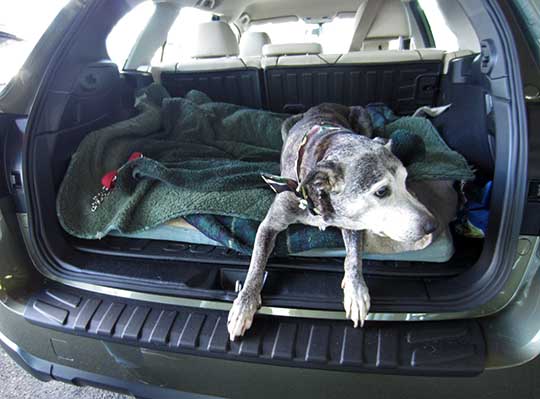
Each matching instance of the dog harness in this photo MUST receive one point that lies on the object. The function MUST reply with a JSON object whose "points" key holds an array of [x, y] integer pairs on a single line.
{"points": [[281, 184]]}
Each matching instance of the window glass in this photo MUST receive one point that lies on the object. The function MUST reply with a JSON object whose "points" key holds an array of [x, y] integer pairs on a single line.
{"points": [[179, 45], [125, 33], [22, 23], [287, 32], [445, 39], [334, 36]]}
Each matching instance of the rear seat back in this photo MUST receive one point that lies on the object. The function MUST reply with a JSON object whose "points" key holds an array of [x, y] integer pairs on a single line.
{"points": [[292, 54], [296, 76], [403, 79], [215, 69], [375, 31], [252, 43]]}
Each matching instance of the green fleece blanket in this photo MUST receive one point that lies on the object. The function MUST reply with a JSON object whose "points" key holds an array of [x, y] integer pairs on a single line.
{"points": [[203, 160]]}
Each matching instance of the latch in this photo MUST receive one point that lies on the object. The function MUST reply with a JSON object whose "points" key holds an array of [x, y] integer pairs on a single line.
{"points": [[487, 56], [15, 180]]}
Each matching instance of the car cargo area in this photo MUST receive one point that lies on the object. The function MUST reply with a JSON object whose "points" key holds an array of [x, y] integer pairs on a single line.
{"points": [[95, 95]]}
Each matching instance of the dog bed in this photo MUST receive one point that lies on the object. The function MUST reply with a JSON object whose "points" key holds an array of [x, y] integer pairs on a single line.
{"points": [[202, 161], [440, 250]]}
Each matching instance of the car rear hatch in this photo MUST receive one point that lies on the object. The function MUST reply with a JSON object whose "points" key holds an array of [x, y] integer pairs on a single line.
{"points": [[174, 296]]}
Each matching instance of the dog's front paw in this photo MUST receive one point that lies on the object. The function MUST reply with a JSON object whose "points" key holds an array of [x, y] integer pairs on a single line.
{"points": [[356, 299], [241, 314]]}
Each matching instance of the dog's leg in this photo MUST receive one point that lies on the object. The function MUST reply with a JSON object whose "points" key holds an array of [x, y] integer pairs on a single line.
{"points": [[356, 298], [249, 298]]}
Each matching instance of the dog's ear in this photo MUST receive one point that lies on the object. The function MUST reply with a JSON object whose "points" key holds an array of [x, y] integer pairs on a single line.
{"points": [[326, 176], [325, 179], [360, 121]]}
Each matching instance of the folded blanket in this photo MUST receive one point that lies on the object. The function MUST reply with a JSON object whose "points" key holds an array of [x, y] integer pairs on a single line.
{"points": [[203, 160]]}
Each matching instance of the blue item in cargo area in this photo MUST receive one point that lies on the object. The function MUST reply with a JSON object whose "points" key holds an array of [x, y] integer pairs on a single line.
{"points": [[473, 218]]}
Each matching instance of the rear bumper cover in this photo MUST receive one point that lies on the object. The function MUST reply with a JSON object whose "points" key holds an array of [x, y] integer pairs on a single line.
{"points": [[45, 370], [449, 348]]}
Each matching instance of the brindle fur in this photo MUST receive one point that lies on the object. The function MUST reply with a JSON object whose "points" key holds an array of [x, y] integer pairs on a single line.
{"points": [[335, 169]]}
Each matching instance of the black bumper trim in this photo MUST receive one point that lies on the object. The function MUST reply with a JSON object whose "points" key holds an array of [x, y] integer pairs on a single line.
{"points": [[46, 371], [450, 348]]}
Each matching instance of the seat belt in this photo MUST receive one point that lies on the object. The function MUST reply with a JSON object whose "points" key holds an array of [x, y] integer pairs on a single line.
{"points": [[363, 21]]}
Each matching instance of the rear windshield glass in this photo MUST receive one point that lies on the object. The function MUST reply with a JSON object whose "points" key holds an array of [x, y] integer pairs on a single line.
{"points": [[22, 23], [445, 39], [333, 36], [179, 45]]}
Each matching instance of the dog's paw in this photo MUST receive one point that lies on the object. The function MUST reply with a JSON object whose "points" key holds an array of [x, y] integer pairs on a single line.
{"points": [[356, 300], [241, 314]]}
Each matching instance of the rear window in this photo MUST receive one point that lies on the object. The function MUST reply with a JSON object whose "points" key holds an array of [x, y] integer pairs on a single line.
{"points": [[334, 36], [179, 44], [22, 23], [125, 33], [444, 38]]}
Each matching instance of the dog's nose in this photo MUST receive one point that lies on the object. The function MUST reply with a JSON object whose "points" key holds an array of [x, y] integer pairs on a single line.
{"points": [[430, 226]]}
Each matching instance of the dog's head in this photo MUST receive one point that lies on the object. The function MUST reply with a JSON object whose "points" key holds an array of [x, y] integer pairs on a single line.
{"points": [[363, 188]]}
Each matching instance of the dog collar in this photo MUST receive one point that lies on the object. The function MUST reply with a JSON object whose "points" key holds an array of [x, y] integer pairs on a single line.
{"points": [[281, 184]]}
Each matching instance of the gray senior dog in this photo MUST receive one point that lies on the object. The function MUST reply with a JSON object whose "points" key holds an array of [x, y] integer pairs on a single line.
{"points": [[335, 174]]}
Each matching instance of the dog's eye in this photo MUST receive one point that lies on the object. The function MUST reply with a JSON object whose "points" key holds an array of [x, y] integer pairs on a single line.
{"points": [[382, 192]]}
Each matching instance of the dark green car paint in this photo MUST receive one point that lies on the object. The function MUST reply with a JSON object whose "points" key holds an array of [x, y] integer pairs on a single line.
{"points": [[137, 367]]}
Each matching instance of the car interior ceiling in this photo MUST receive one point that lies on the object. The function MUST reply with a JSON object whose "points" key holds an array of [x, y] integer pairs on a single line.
{"points": [[288, 79]]}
